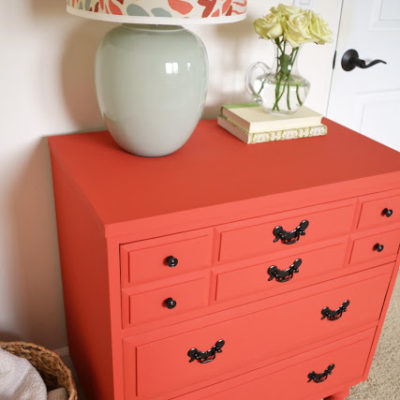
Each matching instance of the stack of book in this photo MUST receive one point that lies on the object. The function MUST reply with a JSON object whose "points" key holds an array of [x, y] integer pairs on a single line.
{"points": [[252, 124]]}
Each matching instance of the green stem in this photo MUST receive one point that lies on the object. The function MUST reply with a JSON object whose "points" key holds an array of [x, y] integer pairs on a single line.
{"points": [[293, 60], [294, 54], [277, 99], [298, 95], [277, 75], [283, 74], [279, 44], [277, 87], [278, 92]]}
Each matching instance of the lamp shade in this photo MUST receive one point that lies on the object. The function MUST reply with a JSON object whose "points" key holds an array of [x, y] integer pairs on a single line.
{"points": [[162, 12]]}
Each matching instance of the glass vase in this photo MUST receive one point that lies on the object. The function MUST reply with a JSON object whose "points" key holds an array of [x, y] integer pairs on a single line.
{"points": [[280, 88]]}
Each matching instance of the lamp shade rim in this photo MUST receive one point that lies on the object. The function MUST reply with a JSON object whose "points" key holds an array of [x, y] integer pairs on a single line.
{"points": [[153, 20]]}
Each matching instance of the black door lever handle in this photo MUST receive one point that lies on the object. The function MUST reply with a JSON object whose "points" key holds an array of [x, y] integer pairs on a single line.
{"points": [[351, 60]]}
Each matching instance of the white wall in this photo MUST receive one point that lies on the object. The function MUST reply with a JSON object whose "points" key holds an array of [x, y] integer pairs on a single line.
{"points": [[46, 87]]}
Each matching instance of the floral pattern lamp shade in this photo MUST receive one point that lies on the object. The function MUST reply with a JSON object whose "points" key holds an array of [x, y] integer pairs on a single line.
{"points": [[174, 11], [151, 73]]}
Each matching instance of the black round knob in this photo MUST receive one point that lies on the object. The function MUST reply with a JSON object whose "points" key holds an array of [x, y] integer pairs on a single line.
{"points": [[171, 261], [170, 303], [387, 212], [378, 247]]}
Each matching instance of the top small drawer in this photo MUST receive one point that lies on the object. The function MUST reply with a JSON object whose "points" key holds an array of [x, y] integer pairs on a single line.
{"points": [[263, 235], [165, 257], [380, 211]]}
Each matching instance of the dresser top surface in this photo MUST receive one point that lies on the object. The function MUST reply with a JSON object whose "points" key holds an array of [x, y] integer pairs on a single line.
{"points": [[212, 168]]}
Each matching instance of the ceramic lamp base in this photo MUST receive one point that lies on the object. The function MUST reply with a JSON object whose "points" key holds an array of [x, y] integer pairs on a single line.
{"points": [[151, 84]]}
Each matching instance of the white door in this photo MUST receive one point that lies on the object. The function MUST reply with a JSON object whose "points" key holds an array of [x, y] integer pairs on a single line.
{"points": [[368, 100]]}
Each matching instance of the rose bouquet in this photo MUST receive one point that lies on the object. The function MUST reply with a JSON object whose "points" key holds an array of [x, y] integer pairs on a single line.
{"points": [[289, 27]]}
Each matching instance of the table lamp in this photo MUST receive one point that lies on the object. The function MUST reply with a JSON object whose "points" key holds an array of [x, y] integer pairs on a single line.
{"points": [[151, 73]]}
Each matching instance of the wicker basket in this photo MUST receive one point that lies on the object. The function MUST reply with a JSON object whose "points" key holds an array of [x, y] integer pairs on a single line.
{"points": [[49, 364]]}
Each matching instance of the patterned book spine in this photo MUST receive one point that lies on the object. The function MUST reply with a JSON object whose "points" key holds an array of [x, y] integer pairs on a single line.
{"points": [[298, 133], [271, 136]]}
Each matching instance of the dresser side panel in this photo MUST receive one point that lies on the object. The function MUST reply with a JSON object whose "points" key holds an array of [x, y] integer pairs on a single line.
{"points": [[381, 322], [85, 284]]}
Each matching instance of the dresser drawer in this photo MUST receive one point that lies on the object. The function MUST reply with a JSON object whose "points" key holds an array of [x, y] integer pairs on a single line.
{"points": [[164, 302], [256, 337], [380, 211], [282, 272], [165, 257], [376, 247], [255, 237], [293, 381]]}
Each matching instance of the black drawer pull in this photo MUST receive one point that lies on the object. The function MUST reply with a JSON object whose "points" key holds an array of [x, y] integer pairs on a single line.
{"points": [[284, 276], [387, 212], [318, 378], [171, 261], [334, 315], [290, 237], [379, 247], [170, 303], [204, 357]]}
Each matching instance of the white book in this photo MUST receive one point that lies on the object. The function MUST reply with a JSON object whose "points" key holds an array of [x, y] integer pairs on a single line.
{"points": [[254, 119]]}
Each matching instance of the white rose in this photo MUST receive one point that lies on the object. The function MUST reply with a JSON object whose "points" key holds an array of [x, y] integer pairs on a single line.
{"points": [[268, 27], [297, 29], [319, 29]]}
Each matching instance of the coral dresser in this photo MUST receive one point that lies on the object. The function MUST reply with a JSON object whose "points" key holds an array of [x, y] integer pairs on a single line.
{"points": [[226, 271]]}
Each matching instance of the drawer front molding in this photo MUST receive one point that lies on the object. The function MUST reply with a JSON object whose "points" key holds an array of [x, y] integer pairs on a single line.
{"points": [[165, 257], [260, 236], [376, 247], [252, 338], [380, 210], [164, 302], [257, 278], [339, 366]]}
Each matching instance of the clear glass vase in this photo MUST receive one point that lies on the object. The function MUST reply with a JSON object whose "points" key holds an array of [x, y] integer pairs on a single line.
{"points": [[280, 88]]}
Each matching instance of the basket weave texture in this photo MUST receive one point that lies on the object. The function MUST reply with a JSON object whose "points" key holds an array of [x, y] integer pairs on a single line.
{"points": [[51, 368]]}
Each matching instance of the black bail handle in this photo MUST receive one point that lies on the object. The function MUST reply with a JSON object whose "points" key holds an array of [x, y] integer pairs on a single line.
{"points": [[286, 275], [290, 237], [204, 357], [334, 315], [318, 378]]}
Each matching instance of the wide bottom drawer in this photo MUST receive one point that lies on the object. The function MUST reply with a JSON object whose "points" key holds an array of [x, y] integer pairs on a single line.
{"points": [[320, 374]]}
